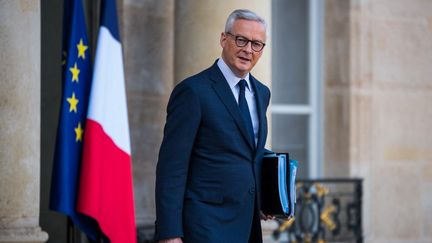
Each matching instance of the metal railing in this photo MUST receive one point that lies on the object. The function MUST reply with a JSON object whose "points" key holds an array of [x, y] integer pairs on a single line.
{"points": [[327, 210]]}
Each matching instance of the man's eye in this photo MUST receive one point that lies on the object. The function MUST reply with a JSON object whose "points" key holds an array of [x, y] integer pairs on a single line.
{"points": [[257, 44], [242, 40]]}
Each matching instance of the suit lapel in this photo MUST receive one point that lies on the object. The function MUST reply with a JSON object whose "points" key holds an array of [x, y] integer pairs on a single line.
{"points": [[225, 94], [260, 110]]}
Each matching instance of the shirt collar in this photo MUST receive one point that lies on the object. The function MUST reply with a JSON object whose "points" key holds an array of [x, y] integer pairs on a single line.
{"points": [[231, 78]]}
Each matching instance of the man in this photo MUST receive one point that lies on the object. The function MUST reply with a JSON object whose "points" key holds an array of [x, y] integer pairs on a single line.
{"points": [[208, 173]]}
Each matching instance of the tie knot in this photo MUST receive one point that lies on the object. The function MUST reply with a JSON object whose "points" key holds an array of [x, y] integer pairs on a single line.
{"points": [[242, 84]]}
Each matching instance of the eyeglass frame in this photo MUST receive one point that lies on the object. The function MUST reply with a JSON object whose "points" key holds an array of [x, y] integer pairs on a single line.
{"points": [[236, 38]]}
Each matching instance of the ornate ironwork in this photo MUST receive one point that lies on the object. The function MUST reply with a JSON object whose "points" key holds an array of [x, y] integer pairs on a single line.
{"points": [[327, 210]]}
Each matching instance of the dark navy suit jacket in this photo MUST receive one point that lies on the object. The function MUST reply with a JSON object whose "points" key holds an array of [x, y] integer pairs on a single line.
{"points": [[208, 173]]}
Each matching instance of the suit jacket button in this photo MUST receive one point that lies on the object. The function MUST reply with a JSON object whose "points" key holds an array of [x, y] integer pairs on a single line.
{"points": [[252, 190]]}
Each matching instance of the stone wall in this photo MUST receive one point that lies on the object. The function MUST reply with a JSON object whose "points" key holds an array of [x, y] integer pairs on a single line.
{"points": [[379, 120]]}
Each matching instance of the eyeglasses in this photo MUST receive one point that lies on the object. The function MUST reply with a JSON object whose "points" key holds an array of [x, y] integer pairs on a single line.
{"points": [[242, 42]]}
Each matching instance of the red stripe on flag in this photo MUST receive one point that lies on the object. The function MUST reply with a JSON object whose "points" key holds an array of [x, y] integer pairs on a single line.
{"points": [[105, 191]]}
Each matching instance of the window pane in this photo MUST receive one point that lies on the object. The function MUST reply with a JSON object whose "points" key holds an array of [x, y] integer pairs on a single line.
{"points": [[290, 134], [290, 52]]}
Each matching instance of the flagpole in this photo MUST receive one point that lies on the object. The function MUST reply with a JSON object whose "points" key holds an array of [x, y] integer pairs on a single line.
{"points": [[70, 229]]}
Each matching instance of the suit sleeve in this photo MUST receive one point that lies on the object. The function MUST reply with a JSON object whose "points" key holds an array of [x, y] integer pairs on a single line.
{"points": [[183, 119]]}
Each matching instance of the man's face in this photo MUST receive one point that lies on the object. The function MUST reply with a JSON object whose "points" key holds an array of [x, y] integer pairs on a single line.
{"points": [[241, 60]]}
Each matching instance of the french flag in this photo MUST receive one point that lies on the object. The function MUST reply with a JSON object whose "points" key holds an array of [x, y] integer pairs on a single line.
{"points": [[106, 188]]}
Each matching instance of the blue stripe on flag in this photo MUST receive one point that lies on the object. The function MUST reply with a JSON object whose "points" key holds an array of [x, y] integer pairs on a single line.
{"points": [[109, 17]]}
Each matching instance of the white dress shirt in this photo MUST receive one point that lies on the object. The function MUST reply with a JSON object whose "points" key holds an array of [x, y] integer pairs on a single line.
{"points": [[249, 93]]}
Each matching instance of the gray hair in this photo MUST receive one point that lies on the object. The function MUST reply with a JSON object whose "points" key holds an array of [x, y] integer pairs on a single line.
{"points": [[243, 14]]}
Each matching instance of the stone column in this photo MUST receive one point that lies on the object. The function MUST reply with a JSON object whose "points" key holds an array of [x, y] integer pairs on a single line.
{"points": [[20, 121], [148, 42], [337, 89]]}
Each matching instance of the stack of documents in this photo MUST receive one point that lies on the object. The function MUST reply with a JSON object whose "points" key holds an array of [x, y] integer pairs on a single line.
{"points": [[278, 195]]}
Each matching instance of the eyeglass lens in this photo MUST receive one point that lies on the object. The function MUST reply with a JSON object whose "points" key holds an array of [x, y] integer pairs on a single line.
{"points": [[242, 42]]}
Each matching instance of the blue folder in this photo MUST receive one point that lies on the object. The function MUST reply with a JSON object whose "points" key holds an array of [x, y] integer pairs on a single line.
{"points": [[278, 190]]}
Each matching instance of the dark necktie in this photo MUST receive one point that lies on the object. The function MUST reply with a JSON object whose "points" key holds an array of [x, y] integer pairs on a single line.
{"points": [[244, 109]]}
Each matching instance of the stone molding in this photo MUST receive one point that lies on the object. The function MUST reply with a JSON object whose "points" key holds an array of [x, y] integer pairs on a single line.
{"points": [[23, 235]]}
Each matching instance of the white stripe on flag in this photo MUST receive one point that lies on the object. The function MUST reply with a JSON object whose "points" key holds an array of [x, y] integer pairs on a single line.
{"points": [[107, 104]]}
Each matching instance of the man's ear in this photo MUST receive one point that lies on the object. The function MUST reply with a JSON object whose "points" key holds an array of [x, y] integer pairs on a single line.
{"points": [[223, 39]]}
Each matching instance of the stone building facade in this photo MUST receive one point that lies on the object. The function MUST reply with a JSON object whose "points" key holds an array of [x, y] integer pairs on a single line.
{"points": [[377, 93]]}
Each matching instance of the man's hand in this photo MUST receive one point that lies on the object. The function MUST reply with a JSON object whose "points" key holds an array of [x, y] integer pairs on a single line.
{"points": [[266, 217], [173, 240]]}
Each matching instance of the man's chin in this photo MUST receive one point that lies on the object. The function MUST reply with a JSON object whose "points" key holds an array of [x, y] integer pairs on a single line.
{"points": [[244, 68]]}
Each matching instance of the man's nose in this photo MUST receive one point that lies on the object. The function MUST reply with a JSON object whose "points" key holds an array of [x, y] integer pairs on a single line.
{"points": [[248, 47]]}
